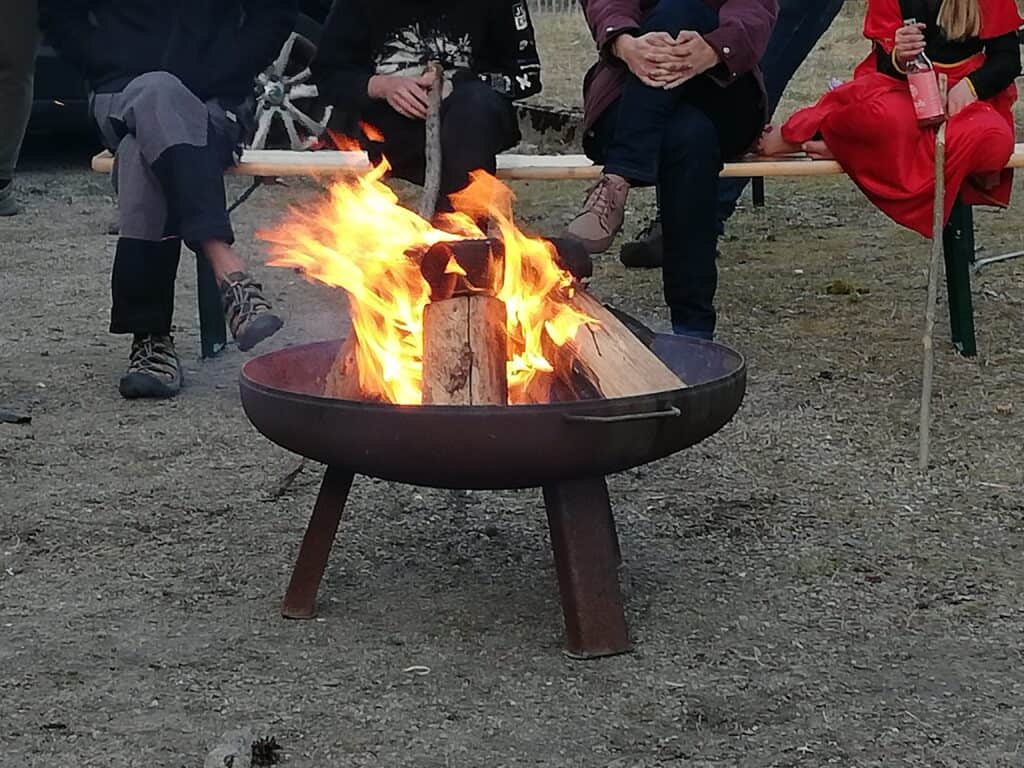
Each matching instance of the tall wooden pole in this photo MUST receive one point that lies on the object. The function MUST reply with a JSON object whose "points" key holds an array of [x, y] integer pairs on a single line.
{"points": [[938, 222]]}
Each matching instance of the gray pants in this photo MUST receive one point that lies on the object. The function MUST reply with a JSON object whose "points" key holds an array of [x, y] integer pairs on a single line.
{"points": [[18, 39], [171, 151]]}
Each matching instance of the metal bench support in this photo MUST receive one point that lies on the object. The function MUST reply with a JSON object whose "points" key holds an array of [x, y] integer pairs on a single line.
{"points": [[757, 191], [958, 247], [213, 335]]}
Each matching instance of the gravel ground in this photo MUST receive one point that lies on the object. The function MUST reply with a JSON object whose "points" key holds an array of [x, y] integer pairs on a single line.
{"points": [[797, 593]]}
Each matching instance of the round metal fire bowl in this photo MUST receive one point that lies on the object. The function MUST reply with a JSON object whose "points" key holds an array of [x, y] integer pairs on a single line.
{"points": [[489, 447]]}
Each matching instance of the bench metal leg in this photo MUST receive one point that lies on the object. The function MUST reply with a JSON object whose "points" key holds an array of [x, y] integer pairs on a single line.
{"points": [[757, 191], [958, 247], [213, 336]]}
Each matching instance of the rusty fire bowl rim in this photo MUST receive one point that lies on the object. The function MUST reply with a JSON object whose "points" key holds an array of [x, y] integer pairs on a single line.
{"points": [[480, 447], [246, 379]]}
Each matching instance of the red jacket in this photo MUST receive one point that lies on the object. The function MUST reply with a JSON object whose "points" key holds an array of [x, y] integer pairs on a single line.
{"points": [[744, 27]]}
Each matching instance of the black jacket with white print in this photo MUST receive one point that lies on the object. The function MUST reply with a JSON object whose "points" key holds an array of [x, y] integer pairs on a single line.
{"points": [[492, 40]]}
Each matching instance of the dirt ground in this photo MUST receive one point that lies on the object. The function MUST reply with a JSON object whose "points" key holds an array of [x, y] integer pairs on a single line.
{"points": [[797, 593]]}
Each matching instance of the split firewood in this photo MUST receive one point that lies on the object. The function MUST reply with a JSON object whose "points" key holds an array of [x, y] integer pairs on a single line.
{"points": [[611, 356], [465, 350], [342, 380]]}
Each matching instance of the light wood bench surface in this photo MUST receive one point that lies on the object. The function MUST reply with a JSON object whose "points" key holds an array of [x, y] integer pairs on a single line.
{"points": [[271, 162]]}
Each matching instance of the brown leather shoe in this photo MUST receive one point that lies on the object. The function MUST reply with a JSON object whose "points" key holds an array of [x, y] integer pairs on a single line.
{"points": [[603, 212]]}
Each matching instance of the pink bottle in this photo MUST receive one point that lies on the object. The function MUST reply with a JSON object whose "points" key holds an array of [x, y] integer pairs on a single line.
{"points": [[924, 89]]}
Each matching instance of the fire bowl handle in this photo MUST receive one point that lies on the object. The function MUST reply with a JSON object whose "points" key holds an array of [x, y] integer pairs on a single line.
{"points": [[671, 413]]}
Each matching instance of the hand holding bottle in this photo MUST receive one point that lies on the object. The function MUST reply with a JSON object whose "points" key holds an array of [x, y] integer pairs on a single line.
{"points": [[910, 42]]}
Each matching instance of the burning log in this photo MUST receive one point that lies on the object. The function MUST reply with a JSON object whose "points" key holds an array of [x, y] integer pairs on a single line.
{"points": [[606, 359], [464, 352], [463, 267], [465, 345], [342, 379], [610, 355]]}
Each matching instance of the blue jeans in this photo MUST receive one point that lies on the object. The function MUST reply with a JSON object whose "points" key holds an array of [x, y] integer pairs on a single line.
{"points": [[800, 25], [677, 139]]}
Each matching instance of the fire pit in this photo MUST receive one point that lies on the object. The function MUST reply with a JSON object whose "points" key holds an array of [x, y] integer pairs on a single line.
{"points": [[478, 361], [564, 448]]}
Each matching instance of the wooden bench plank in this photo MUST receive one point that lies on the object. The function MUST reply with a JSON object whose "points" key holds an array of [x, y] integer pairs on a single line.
{"points": [[512, 167]]}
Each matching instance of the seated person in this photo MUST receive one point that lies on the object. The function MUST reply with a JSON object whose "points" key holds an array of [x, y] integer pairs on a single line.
{"points": [[799, 27], [870, 127], [169, 83], [676, 92], [371, 63]]}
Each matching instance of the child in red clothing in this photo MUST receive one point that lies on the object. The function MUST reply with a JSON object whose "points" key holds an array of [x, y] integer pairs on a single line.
{"points": [[869, 126]]}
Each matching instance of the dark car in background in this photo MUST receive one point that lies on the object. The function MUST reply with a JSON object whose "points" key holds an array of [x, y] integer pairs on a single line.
{"points": [[288, 111]]}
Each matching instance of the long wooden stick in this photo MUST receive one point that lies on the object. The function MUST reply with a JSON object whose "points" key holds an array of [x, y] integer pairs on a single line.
{"points": [[938, 221], [432, 166]]}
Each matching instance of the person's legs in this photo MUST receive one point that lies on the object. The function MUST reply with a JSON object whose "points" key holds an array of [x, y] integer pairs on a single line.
{"points": [[691, 161], [186, 145], [18, 38], [476, 124], [800, 25], [635, 147], [632, 153], [142, 279]]}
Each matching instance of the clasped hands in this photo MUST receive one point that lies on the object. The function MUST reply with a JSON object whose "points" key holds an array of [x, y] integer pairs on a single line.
{"points": [[662, 61]]}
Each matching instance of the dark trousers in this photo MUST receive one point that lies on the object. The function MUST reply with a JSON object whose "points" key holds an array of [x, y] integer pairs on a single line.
{"points": [[800, 25], [677, 139], [18, 37], [171, 150], [477, 123]]}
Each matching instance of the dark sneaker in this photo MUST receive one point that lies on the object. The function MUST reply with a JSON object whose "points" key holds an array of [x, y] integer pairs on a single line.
{"points": [[153, 370], [248, 313], [8, 205], [647, 251], [603, 213]]}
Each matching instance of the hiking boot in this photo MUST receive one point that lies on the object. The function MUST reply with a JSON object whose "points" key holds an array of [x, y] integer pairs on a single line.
{"points": [[248, 313], [8, 205], [602, 214], [647, 251], [153, 369]]}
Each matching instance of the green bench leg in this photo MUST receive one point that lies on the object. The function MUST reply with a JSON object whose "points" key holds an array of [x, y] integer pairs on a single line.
{"points": [[958, 247], [213, 335], [757, 191]]}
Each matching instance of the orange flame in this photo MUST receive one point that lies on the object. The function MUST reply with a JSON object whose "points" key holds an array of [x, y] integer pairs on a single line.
{"points": [[360, 239], [371, 132]]}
